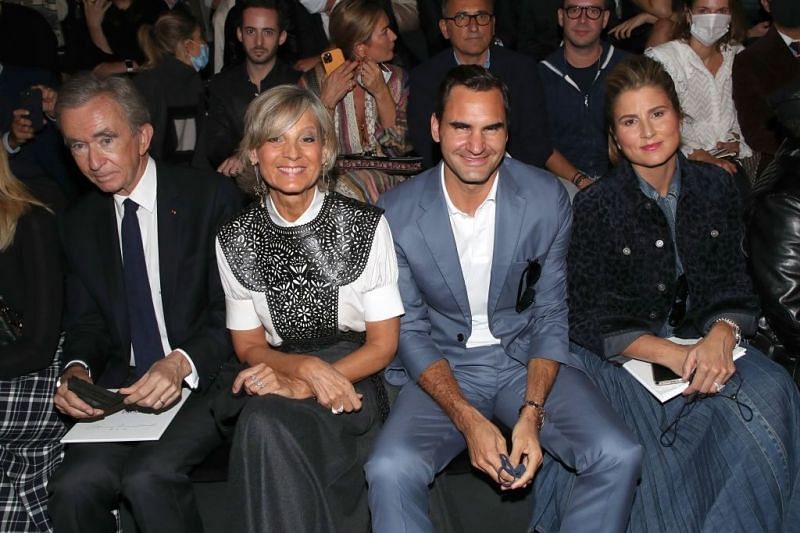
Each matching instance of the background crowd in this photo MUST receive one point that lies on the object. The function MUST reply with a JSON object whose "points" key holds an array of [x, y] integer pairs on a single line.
{"points": [[730, 76]]}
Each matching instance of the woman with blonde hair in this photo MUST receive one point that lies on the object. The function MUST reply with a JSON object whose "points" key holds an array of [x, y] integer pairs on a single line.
{"points": [[170, 82], [313, 306], [366, 96], [30, 327]]}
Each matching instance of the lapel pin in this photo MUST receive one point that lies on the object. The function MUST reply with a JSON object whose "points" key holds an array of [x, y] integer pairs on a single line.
{"points": [[173, 212]]}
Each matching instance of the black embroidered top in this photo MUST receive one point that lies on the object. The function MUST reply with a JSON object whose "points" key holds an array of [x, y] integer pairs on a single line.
{"points": [[300, 268]]}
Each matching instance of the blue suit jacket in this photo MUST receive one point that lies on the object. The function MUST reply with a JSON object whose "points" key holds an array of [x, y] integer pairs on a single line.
{"points": [[533, 220]]}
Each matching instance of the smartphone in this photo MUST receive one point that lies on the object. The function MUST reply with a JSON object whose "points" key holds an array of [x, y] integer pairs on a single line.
{"points": [[664, 376], [332, 59], [31, 100]]}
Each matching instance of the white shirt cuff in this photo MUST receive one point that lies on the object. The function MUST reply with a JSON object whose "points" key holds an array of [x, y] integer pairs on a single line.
{"points": [[382, 303], [8, 146], [193, 379]]}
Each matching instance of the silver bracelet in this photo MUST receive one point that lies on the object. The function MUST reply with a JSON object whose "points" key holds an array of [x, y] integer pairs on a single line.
{"points": [[737, 331]]}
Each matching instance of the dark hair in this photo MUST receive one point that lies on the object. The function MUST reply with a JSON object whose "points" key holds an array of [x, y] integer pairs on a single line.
{"points": [[736, 34], [261, 4], [79, 89], [474, 78], [352, 22], [635, 72], [606, 4], [165, 35]]}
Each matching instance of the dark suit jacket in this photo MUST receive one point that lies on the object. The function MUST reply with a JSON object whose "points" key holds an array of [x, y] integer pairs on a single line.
{"points": [[532, 222], [191, 205], [528, 141], [759, 70]]}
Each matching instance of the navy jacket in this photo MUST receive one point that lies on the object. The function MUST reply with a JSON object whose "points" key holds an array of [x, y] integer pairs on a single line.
{"points": [[622, 275], [577, 119]]}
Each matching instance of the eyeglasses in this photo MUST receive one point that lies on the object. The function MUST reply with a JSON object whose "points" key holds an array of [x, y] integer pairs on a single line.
{"points": [[508, 474], [526, 294], [678, 312], [482, 18], [591, 12]]}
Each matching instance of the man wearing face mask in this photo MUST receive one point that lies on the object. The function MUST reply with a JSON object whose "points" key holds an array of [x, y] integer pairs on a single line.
{"points": [[700, 59], [767, 65]]}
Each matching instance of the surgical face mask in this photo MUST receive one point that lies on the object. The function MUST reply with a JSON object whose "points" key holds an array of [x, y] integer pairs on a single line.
{"points": [[199, 62], [708, 29]]}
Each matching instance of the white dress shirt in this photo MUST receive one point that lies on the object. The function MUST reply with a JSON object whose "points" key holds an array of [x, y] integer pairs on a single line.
{"points": [[372, 297], [474, 236], [144, 194], [706, 99]]}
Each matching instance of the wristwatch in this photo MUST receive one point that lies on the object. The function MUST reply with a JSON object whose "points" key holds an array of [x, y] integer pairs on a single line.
{"points": [[129, 66]]}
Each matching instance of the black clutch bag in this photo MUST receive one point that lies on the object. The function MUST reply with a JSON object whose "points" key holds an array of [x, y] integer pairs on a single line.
{"points": [[96, 396], [10, 324], [404, 166]]}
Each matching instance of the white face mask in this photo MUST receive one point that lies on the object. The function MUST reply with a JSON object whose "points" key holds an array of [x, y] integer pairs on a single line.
{"points": [[708, 29]]}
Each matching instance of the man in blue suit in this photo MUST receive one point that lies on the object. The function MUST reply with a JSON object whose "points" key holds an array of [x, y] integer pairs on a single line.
{"points": [[481, 242]]}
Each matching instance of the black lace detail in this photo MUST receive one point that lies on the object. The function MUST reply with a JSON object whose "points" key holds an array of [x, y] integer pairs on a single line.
{"points": [[301, 268]]}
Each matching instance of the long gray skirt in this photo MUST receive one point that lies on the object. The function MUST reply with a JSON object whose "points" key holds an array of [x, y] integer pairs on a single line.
{"points": [[715, 464], [296, 467]]}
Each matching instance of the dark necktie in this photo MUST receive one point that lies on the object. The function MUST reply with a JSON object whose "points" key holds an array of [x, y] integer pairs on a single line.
{"points": [[795, 47], [145, 337]]}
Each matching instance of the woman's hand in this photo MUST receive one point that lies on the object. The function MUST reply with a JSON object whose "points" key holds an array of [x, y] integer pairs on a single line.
{"points": [[711, 360], [95, 12], [724, 164], [624, 29], [370, 77], [331, 388], [261, 379], [337, 84]]}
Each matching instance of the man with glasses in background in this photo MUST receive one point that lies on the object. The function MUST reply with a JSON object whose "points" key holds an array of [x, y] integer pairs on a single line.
{"points": [[573, 77], [482, 273]]}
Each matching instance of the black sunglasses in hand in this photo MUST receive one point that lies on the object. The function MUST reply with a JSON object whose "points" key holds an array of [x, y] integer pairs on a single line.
{"points": [[526, 294]]}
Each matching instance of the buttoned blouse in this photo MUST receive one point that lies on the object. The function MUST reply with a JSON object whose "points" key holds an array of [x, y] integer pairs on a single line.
{"points": [[372, 297], [706, 99]]}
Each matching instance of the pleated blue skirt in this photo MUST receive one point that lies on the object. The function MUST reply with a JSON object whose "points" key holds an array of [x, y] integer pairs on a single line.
{"points": [[729, 462]]}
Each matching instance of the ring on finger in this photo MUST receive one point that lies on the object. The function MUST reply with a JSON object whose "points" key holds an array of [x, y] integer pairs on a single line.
{"points": [[337, 410], [718, 387]]}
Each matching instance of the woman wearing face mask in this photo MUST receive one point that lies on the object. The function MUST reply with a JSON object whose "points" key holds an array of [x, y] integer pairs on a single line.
{"points": [[170, 82], [699, 59]]}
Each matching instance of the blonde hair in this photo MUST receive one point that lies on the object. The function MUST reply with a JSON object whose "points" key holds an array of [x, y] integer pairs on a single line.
{"points": [[15, 201], [272, 113], [352, 22], [165, 36]]}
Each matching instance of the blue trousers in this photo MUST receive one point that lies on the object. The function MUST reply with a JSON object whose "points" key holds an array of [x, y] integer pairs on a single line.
{"points": [[580, 430]]}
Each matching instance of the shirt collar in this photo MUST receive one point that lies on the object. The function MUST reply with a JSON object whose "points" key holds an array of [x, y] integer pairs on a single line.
{"points": [[308, 215], [674, 186], [786, 39], [144, 193], [486, 64], [452, 210]]}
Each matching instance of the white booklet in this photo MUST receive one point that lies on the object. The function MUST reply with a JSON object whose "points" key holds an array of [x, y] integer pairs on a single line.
{"points": [[125, 426], [643, 372]]}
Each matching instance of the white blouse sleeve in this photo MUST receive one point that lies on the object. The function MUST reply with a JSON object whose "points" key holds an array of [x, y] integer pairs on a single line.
{"points": [[378, 282], [240, 313]]}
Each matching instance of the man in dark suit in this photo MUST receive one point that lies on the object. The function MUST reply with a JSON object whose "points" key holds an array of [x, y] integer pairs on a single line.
{"points": [[469, 25], [481, 244], [762, 68], [145, 311]]}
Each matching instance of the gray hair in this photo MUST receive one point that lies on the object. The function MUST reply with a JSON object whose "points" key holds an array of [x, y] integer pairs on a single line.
{"points": [[446, 2], [81, 88], [272, 113]]}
